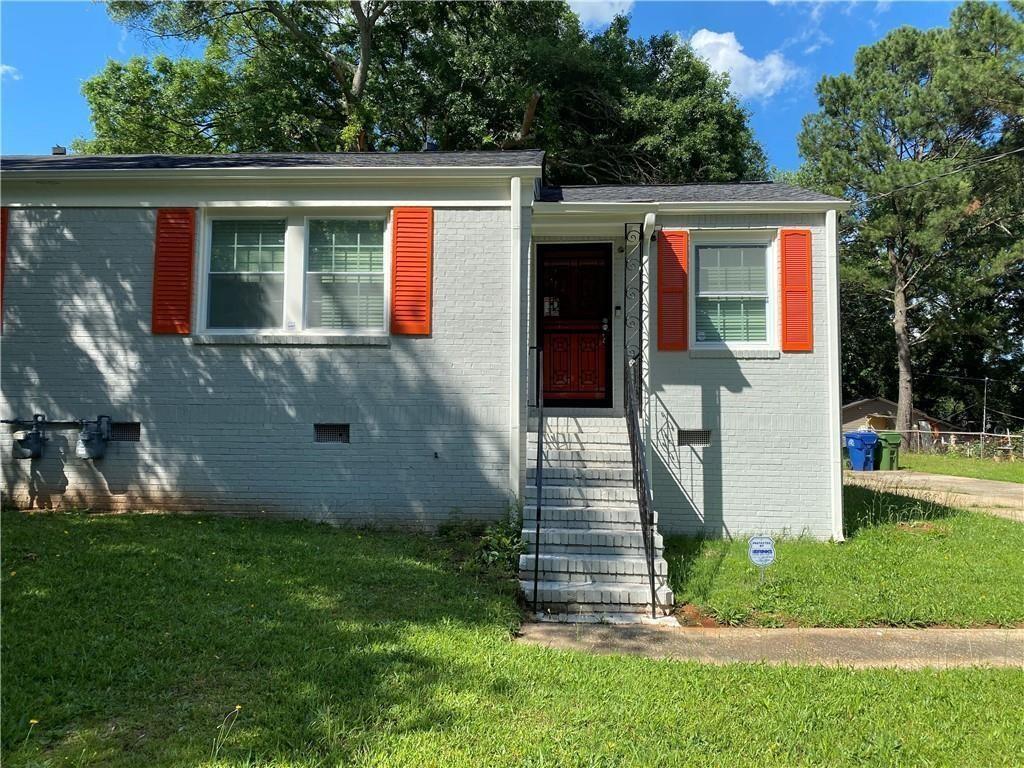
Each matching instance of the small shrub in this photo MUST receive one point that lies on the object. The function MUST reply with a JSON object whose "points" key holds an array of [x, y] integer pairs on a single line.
{"points": [[459, 531], [501, 546], [491, 548]]}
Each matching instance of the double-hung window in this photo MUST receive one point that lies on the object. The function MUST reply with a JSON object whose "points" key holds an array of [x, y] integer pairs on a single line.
{"points": [[293, 273], [246, 278], [344, 274], [731, 294]]}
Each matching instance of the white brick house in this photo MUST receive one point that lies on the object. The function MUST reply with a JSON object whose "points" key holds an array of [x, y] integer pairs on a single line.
{"points": [[217, 308]]}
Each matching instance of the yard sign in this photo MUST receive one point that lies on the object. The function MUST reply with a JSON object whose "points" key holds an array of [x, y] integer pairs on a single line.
{"points": [[761, 551]]}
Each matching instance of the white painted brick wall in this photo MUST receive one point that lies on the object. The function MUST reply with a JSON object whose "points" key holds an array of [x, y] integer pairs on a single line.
{"points": [[229, 428], [767, 470]]}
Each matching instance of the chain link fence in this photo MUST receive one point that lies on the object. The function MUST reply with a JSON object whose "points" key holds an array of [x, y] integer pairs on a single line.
{"points": [[988, 445]]}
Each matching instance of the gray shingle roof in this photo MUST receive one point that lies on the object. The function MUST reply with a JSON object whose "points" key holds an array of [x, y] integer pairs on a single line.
{"points": [[736, 192], [508, 159]]}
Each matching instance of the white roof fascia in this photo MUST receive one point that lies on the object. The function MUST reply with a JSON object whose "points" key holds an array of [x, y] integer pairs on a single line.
{"points": [[729, 206], [435, 173]]}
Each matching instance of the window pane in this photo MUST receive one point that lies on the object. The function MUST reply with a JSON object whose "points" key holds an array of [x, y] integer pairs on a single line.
{"points": [[341, 301], [246, 301], [345, 274], [732, 320], [346, 245], [733, 269], [247, 246], [246, 282]]}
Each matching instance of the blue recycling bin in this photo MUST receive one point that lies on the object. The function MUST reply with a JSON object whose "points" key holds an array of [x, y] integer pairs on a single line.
{"points": [[860, 446]]}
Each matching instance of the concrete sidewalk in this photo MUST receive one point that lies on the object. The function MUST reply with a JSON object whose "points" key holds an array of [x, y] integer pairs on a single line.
{"points": [[858, 648], [993, 496]]}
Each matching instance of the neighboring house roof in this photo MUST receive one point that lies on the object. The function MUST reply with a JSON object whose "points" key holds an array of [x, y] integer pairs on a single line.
{"points": [[269, 160], [918, 413], [733, 192]]}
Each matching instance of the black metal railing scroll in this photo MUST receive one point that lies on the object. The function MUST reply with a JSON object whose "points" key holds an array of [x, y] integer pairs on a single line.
{"points": [[641, 478], [635, 316], [539, 477]]}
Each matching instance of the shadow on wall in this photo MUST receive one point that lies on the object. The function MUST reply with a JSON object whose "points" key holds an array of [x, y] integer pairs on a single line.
{"points": [[230, 428], [690, 496]]}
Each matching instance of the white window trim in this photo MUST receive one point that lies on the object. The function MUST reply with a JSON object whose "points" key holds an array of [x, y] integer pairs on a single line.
{"points": [[769, 239], [382, 330], [204, 276], [295, 259]]}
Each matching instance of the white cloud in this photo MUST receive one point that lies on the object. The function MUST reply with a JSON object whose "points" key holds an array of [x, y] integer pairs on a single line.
{"points": [[817, 7], [6, 70], [810, 37], [880, 7], [751, 78], [597, 13]]}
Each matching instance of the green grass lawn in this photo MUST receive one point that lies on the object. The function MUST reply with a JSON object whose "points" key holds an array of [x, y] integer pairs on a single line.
{"points": [[963, 466], [905, 563], [130, 639]]}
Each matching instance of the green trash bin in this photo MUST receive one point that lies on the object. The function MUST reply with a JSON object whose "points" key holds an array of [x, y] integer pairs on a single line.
{"points": [[887, 454]]}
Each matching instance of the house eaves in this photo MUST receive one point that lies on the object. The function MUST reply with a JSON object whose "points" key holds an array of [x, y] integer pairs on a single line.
{"points": [[774, 206]]}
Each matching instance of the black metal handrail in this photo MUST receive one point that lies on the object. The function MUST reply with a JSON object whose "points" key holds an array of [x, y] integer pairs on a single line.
{"points": [[539, 477], [641, 479]]}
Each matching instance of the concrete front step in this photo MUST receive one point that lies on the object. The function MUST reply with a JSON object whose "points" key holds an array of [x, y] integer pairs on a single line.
{"points": [[593, 495], [608, 457], [563, 567], [578, 442], [582, 424], [591, 550], [596, 596], [551, 516], [606, 476], [591, 541]]}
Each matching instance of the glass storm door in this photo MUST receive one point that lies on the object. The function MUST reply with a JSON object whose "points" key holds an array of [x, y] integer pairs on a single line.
{"points": [[575, 323]]}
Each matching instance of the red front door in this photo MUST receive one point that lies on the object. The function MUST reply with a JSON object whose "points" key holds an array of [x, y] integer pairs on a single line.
{"points": [[575, 322]]}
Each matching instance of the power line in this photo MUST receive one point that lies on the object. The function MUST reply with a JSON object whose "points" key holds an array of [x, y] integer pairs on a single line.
{"points": [[1007, 415], [967, 167], [980, 161], [968, 378]]}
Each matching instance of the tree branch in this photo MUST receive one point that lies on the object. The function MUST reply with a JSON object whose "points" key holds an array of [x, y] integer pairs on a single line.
{"points": [[339, 67], [526, 126]]}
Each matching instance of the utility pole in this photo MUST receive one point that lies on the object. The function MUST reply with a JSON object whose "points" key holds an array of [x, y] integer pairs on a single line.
{"points": [[984, 417]]}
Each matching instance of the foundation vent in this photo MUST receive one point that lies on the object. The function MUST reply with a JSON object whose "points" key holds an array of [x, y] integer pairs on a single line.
{"points": [[331, 433], [126, 431], [695, 438]]}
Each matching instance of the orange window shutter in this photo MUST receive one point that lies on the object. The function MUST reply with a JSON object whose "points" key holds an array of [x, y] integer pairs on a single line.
{"points": [[3, 261], [172, 270], [797, 301], [412, 247], [673, 284]]}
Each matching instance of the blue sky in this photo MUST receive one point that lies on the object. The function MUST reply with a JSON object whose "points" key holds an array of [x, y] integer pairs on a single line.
{"points": [[774, 51]]}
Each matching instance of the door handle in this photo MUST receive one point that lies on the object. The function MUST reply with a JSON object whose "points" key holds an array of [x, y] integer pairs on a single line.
{"points": [[604, 324]]}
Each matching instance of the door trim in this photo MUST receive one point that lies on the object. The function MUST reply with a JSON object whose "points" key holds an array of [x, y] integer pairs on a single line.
{"points": [[603, 249]]}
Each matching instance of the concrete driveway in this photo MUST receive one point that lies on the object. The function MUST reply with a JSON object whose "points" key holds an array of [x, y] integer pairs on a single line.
{"points": [[992, 496]]}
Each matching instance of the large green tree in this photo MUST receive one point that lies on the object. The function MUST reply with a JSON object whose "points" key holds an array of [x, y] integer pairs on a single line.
{"points": [[924, 136], [383, 76]]}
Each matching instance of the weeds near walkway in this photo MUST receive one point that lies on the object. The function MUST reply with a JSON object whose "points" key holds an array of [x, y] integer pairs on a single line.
{"points": [[906, 562], [884, 505], [489, 548]]}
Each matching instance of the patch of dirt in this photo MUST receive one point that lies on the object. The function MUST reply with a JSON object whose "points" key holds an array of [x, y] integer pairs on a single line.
{"points": [[921, 526], [689, 615]]}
